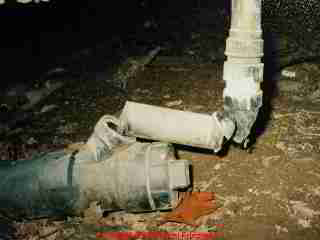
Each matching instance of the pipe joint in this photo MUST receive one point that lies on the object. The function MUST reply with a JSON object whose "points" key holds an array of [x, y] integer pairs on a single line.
{"points": [[105, 138]]}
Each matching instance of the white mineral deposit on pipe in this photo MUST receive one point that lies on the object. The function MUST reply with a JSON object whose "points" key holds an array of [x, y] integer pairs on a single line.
{"points": [[168, 125]]}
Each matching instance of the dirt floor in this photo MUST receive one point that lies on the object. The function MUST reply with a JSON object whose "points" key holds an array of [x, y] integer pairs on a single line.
{"points": [[269, 191]]}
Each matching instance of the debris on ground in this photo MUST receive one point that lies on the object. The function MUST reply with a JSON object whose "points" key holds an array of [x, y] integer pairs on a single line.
{"points": [[271, 192], [192, 206]]}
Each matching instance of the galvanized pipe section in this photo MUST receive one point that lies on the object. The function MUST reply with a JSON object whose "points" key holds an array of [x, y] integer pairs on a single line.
{"points": [[168, 125], [243, 70]]}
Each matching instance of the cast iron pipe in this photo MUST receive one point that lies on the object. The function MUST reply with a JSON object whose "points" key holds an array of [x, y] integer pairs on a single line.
{"points": [[113, 171]]}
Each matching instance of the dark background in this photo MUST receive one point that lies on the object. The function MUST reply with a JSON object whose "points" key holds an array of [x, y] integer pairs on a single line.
{"points": [[33, 36], [36, 37]]}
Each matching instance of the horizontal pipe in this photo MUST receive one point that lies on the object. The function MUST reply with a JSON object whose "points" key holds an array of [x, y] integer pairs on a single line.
{"points": [[168, 125]]}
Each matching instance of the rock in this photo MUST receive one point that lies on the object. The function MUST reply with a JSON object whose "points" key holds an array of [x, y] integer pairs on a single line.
{"points": [[302, 79], [305, 72], [48, 108], [174, 103], [287, 73], [31, 141]]}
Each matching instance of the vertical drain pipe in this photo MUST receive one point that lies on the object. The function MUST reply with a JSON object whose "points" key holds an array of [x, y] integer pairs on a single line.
{"points": [[243, 70], [242, 73]]}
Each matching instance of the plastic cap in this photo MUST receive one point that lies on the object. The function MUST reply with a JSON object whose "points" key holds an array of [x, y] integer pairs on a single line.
{"points": [[179, 174]]}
